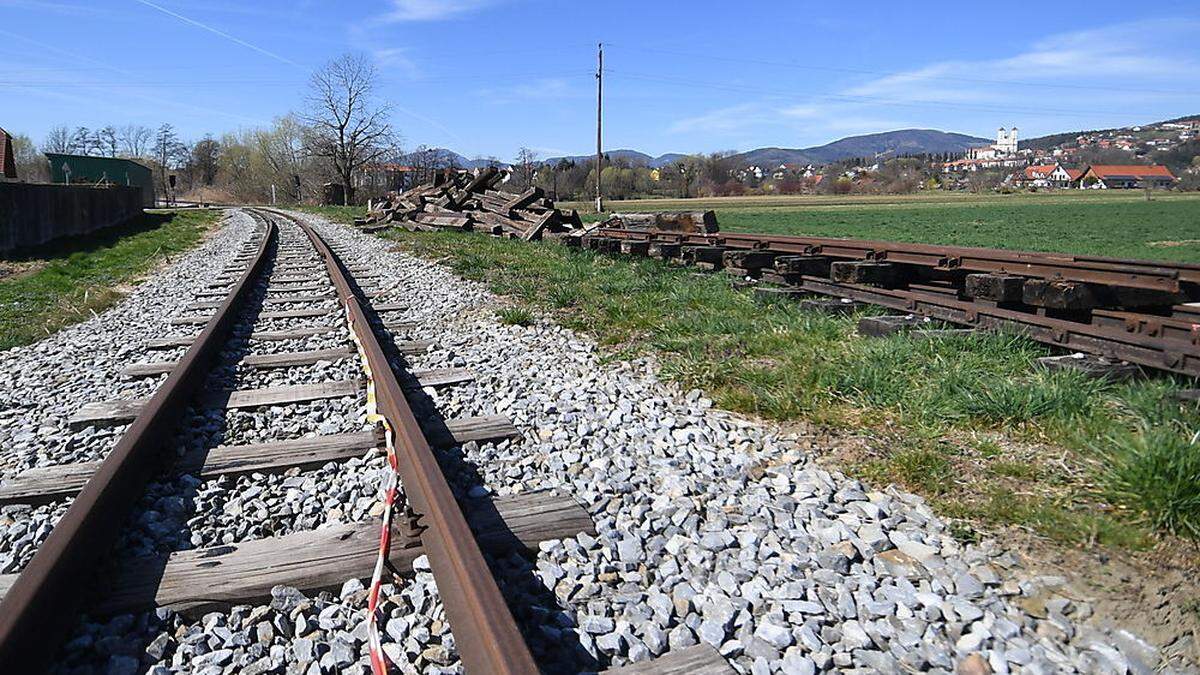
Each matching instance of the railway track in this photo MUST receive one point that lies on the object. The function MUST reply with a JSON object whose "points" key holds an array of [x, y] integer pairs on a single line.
{"points": [[302, 383], [290, 304], [1143, 312]]}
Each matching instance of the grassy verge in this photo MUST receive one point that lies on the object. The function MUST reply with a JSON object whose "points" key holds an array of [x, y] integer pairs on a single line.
{"points": [[967, 422], [59, 284]]}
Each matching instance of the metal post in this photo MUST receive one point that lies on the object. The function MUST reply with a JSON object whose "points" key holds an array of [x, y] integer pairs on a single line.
{"points": [[599, 118]]}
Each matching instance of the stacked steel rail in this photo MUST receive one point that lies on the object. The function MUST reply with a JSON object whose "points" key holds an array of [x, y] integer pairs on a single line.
{"points": [[1144, 312]]}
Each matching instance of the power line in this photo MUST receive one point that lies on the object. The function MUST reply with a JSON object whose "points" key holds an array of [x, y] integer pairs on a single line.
{"points": [[272, 81]]}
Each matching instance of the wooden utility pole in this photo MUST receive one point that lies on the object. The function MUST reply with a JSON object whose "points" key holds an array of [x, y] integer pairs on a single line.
{"points": [[599, 118]]}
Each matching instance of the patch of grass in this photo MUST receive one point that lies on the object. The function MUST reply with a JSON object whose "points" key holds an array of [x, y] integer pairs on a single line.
{"points": [[1014, 469], [988, 448], [71, 280], [1192, 607], [923, 469], [515, 316], [1062, 520], [770, 359], [1155, 474]]}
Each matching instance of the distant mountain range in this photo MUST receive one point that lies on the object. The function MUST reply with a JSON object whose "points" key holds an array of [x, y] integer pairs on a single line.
{"points": [[899, 142], [633, 156]]}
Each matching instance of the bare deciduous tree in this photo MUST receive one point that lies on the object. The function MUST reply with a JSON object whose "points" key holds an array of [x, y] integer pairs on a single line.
{"points": [[347, 127], [135, 140], [167, 152], [526, 166], [58, 139], [106, 141], [83, 141]]}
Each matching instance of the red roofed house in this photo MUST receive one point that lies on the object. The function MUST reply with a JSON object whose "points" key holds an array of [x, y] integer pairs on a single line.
{"points": [[1037, 175], [1119, 176], [1047, 176], [8, 163]]}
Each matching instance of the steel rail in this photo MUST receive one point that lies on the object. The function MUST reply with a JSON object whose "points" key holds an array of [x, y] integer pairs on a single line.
{"points": [[43, 603], [1165, 343], [1144, 274], [1157, 351], [486, 635]]}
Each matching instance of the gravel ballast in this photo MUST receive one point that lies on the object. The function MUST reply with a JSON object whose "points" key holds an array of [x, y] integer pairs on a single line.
{"points": [[37, 394], [718, 529]]}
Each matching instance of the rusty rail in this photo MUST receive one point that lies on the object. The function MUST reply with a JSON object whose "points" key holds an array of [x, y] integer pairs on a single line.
{"points": [[43, 603], [1144, 274], [485, 632], [1096, 337], [1168, 341]]}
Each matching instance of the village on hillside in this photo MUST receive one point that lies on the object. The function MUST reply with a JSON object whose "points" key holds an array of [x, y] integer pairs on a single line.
{"points": [[1131, 158], [1061, 165]]}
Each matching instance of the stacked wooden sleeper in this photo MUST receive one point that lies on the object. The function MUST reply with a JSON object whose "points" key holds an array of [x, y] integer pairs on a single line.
{"points": [[460, 200]]}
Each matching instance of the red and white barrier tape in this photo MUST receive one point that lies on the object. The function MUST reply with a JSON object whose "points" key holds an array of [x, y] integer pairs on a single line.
{"points": [[379, 661]]}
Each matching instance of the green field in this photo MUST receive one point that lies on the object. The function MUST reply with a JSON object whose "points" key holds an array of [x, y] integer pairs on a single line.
{"points": [[1116, 224], [47, 288]]}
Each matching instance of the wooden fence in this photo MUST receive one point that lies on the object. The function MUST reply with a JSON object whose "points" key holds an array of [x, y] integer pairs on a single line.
{"points": [[35, 213]]}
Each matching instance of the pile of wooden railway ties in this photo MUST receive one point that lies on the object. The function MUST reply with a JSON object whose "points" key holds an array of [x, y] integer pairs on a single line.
{"points": [[1134, 311], [41, 605], [459, 200]]}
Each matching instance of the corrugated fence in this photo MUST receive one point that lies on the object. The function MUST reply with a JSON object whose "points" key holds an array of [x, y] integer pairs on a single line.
{"points": [[35, 213]]}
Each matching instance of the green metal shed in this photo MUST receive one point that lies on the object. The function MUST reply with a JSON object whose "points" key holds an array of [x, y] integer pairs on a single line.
{"points": [[92, 170]]}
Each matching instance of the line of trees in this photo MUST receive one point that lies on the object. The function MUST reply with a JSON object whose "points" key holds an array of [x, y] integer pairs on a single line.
{"points": [[343, 130]]}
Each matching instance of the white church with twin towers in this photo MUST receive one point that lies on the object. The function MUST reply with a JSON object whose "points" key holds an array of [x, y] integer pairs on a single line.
{"points": [[1004, 147]]}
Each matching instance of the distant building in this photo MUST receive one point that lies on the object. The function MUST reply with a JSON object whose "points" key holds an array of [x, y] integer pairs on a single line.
{"points": [[88, 170], [386, 176], [1047, 176], [1184, 125], [966, 164], [1124, 177], [8, 162], [1002, 154], [1005, 146]]}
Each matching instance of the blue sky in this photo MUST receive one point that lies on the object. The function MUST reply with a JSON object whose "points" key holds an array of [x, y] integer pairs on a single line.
{"points": [[485, 77]]}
